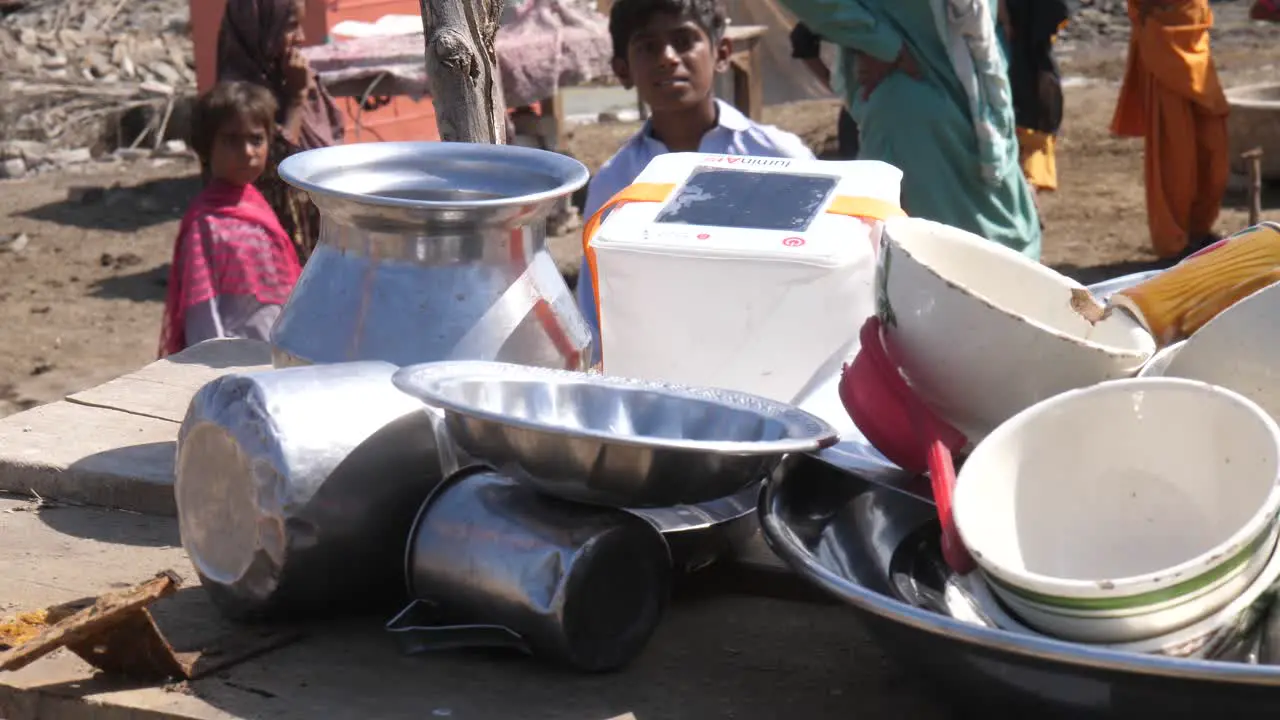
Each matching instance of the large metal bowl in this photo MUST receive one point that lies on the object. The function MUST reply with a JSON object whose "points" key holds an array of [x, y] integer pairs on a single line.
{"points": [[612, 441], [842, 532]]}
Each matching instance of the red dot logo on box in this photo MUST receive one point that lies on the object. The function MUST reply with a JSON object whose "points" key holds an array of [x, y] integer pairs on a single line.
{"points": [[793, 241], [704, 236]]}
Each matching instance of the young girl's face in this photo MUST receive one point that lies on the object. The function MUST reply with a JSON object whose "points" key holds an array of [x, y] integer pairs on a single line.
{"points": [[239, 152]]}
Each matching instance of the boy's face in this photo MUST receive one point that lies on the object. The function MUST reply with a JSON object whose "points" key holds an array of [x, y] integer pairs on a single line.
{"points": [[239, 152], [671, 62]]}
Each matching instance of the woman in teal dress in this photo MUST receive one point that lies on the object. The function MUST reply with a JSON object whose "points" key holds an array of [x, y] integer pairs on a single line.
{"points": [[927, 83]]}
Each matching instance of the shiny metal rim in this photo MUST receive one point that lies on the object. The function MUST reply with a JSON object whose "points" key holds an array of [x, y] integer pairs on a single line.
{"points": [[786, 545], [805, 432], [296, 168]]}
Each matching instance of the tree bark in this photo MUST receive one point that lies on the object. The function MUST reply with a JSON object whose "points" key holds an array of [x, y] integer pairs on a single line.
{"points": [[462, 68]]}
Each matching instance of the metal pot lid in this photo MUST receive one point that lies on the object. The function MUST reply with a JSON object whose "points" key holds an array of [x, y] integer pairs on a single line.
{"points": [[620, 411]]}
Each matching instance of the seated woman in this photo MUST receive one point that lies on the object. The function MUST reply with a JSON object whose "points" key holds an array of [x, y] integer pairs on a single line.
{"points": [[233, 264], [260, 43]]}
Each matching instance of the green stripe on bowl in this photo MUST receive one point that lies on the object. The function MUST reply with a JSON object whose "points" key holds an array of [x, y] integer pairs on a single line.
{"points": [[1154, 597]]}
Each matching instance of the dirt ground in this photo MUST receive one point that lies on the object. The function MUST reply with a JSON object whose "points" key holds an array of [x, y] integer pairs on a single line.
{"points": [[81, 303]]}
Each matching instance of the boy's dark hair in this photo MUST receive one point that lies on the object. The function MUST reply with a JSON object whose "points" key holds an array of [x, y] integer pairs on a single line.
{"points": [[225, 101], [627, 16]]}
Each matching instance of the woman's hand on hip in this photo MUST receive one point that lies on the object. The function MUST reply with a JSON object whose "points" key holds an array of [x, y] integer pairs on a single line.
{"points": [[871, 71]]}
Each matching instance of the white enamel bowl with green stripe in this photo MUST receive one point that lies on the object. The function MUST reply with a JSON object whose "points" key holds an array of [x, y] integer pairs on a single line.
{"points": [[1125, 510]]}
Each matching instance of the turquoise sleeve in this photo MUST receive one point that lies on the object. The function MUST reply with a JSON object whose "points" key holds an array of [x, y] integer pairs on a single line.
{"points": [[852, 24]]}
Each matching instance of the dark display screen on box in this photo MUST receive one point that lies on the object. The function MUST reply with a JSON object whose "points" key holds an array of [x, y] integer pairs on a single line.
{"points": [[749, 200]]}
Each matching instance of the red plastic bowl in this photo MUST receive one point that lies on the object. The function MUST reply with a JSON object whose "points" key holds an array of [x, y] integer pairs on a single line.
{"points": [[887, 410]]}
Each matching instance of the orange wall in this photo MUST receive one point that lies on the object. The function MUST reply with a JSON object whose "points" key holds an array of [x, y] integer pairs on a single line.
{"points": [[403, 119]]}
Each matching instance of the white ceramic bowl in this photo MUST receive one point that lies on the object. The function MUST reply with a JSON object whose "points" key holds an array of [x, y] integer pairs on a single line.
{"points": [[1207, 638], [982, 332], [1239, 350], [1125, 510]]}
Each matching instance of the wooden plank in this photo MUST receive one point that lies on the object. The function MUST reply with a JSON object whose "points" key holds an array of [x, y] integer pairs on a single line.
{"points": [[742, 33], [748, 76], [163, 389], [553, 107]]}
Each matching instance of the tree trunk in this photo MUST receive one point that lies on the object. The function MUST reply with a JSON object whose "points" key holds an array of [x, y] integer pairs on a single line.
{"points": [[462, 67]]}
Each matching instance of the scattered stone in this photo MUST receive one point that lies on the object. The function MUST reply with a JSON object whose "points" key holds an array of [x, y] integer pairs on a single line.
{"points": [[82, 195], [69, 70], [14, 243], [173, 148], [71, 157], [131, 154], [118, 262], [12, 168], [156, 88], [32, 152], [166, 72]]}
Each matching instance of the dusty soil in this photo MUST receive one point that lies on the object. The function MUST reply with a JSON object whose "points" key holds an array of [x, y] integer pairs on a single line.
{"points": [[81, 303]]}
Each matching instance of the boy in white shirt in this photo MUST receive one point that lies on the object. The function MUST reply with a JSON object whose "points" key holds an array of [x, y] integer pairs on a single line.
{"points": [[670, 51]]}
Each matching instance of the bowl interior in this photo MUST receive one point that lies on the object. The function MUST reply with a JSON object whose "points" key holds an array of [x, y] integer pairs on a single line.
{"points": [[1116, 481], [1239, 349], [1011, 282], [427, 174], [613, 410]]}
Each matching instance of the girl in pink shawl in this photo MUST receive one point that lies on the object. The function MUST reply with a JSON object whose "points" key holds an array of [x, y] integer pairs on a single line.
{"points": [[259, 43], [233, 264]]}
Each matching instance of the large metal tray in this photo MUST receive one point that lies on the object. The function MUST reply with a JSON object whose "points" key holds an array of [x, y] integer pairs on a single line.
{"points": [[842, 532]]}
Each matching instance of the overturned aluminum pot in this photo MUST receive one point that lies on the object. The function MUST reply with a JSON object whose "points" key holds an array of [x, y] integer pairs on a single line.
{"points": [[500, 564], [297, 487], [432, 251]]}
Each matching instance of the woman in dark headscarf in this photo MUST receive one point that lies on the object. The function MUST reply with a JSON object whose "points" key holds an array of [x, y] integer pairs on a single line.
{"points": [[1030, 28], [259, 42]]}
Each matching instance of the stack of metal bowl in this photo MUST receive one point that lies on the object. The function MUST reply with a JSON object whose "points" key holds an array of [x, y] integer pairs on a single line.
{"points": [[550, 538]]}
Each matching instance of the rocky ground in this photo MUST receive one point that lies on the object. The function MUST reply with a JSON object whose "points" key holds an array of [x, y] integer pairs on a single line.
{"points": [[86, 232], [81, 79]]}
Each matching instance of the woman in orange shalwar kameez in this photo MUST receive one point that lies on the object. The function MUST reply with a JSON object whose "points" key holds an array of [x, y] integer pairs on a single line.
{"points": [[1172, 99]]}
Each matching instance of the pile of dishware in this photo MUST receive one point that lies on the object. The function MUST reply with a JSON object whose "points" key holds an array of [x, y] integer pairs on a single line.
{"points": [[542, 538], [1094, 506], [1117, 531], [1109, 538], [525, 505]]}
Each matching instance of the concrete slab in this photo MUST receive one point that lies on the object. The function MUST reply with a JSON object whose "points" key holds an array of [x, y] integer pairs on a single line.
{"points": [[713, 657], [89, 455], [113, 445], [164, 388]]}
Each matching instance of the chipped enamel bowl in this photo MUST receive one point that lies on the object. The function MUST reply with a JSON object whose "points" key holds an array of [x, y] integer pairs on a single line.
{"points": [[1128, 527], [1239, 350], [982, 332]]}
